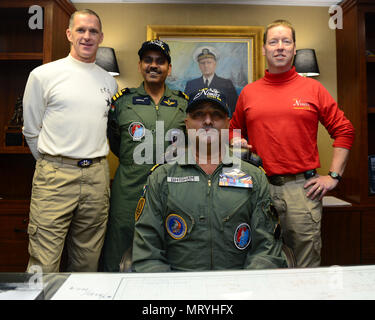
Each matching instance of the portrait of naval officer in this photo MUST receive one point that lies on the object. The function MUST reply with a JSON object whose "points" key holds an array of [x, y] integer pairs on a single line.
{"points": [[207, 58]]}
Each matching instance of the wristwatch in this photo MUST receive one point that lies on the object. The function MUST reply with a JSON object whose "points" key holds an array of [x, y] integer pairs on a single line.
{"points": [[334, 175]]}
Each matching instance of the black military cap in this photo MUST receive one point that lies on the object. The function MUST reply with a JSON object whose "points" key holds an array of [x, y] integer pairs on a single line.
{"points": [[157, 45], [210, 95]]}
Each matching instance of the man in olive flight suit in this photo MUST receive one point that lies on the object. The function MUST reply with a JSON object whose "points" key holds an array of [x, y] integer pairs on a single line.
{"points": [[206, 215], [132, 121]]}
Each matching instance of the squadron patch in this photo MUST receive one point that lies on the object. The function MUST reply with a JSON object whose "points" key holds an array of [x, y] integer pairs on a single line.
{"points": [[137, 131], [242, 236], [176, 226]]}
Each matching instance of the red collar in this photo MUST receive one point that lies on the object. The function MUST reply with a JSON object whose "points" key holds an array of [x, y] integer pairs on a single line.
{"points": [[281, 77]]}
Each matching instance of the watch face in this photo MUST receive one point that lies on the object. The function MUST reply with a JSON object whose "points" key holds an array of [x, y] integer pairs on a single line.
{"points": [[334, 175]]}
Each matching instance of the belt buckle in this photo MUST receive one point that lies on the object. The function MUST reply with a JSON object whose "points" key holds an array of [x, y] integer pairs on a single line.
{"points": [[309, 173], [277, 180], [84, 163]]}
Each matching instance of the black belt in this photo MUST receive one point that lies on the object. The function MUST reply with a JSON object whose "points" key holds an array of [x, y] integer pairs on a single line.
{"points": [[279, 180], [83, 163]]}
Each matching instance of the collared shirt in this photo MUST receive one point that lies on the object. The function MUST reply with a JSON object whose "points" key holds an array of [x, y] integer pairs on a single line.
{"points": [[134, 116], [208, 80]]}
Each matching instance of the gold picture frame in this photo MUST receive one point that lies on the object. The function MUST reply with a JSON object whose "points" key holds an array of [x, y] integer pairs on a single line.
{"points": [[216, 32], [241, 58]]}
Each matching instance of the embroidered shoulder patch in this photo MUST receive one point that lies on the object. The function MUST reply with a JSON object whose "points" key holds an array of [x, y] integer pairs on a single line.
{"points": [[139, 209], [141, 204], [183, 94], [120, 93]]}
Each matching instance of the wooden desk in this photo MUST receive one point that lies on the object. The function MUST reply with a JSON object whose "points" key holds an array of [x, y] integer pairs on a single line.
{"points": [[348, 235], [297, 284]]}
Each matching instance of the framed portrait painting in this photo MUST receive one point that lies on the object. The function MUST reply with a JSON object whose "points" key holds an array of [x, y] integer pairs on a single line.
{"points": [[222, 57]]}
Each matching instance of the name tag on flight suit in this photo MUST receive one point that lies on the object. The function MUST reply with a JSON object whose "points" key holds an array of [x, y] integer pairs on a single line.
{"points": [[183, 179]]}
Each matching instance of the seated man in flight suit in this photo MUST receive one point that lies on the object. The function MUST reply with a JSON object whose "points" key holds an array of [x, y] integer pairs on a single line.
{"points": [[210, 212]]}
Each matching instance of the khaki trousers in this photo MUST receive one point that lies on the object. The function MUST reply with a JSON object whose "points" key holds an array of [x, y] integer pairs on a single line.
{"points": [[300, 220], [69, 205]]}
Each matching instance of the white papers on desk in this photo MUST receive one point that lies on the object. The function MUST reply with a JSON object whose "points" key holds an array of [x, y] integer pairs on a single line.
{"points": [[310, 283], [89, 286], [18, 291], [329, 201]]}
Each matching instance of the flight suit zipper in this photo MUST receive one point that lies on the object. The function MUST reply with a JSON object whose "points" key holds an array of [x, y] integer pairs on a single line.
{"points": [[209, 206], [209, 183], [209, 193], [168, 125]]}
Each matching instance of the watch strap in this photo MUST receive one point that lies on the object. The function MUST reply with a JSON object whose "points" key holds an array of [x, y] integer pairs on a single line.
{"points": [[334, 175]]}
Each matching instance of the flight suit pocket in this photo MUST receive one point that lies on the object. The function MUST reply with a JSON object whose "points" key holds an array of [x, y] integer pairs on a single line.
{"points": [[237, 232]]}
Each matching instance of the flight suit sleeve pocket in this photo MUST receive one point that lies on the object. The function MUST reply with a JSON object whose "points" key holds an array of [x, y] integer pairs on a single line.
{"points": [[237, 233]]}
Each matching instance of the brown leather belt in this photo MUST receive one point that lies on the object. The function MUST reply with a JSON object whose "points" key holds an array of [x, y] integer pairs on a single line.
{"points": [[279, 180], [82, 163]]}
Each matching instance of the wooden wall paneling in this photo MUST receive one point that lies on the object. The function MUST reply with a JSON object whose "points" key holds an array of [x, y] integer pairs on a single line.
{"points": [[368, 237], [348, 86], [59, 40], [354, 82], [341, 236], [13, 237]]}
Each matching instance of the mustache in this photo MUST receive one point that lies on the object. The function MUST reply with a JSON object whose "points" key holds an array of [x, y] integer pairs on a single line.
{"points": [[206, 129], [153, 69]]}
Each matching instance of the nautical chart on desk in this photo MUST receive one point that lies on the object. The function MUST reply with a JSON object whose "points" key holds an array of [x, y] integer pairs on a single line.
{"points": [[317, 283]]}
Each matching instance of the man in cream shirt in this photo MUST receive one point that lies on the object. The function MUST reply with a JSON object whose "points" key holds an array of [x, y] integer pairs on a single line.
{"points": [[66, 104]]}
